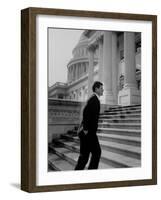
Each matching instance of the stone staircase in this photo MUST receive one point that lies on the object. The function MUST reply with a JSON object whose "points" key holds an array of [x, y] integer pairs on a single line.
{"points": [[119, 134]]}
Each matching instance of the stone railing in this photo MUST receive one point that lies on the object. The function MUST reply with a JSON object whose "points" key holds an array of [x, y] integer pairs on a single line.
{"points": [[59, 84], [63, 116]]}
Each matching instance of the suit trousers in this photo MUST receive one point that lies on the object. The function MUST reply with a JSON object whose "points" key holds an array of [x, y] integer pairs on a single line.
{"points": [[89, 144]]}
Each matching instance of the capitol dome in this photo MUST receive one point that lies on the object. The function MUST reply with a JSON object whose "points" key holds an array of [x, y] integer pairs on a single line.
{"points": [[83, 38], [78, 65], [80, 49]]}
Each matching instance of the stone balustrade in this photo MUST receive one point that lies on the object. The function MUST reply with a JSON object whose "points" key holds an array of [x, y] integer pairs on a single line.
{"points": [[63, 115]]}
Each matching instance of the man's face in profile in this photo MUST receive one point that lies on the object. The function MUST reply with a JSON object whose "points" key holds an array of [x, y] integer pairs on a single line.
{"points": [[99, 90]]}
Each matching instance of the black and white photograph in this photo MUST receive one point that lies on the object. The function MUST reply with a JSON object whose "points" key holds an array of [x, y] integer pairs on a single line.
{"points": [[94, 99], [79, 99], [90, 119]]}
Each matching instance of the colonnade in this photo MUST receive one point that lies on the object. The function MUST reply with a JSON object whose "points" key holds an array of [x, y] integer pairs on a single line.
{"points": [[75, 71], [80, 94], [108, 68]]}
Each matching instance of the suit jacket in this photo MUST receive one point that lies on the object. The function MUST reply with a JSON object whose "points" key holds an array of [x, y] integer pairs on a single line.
{"points": [[91, 114]]}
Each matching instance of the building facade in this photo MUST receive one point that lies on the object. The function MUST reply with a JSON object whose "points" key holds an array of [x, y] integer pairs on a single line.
{"points": [[114, 58]]}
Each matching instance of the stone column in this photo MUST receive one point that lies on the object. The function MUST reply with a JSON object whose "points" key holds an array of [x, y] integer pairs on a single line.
{"points": [[73, 72], [129, 56], [85, 93], [81, 97], [107, 68], [83, 90], [100, 59], [130, 94], [80, 69], [85, 68], [90, 70], [82, 64], [76, 95], [76, 71], [69, 74], [114, 66]]}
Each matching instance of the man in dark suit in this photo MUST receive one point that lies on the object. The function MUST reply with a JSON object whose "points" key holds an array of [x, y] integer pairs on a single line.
{"points": [[88, 139]]}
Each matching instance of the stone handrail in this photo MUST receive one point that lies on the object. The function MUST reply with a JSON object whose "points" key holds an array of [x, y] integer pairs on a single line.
{"points": [[63, 116]]}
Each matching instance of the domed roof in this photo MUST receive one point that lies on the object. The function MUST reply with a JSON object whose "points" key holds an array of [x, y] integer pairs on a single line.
{"points": [[83, 38], [82, 41]]}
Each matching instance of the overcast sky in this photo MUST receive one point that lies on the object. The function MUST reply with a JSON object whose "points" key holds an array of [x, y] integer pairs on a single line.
{"points": [[61, 44]]}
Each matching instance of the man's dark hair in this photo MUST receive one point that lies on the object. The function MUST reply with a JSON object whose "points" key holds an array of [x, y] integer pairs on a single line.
{"points": [[96, 84]]}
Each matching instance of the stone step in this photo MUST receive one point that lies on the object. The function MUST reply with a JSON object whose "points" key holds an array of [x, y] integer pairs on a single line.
{"points": [[108, 158], [104, 166], [56, 163], [52, 158], [135, 126], [117, 131], [117, 147], [121, 112], [129, 140], [120, 159], [67, 155], [122, 149], [71, 157], [118, 120], [72, 145], [121, 116], [125, 107], [132, 137]]}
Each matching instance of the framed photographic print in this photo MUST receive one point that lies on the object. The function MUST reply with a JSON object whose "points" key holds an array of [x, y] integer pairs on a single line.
{"points": [[88, 99]]}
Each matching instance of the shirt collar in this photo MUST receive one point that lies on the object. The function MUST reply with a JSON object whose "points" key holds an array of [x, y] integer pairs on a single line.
{"points": [[96, 95]]}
